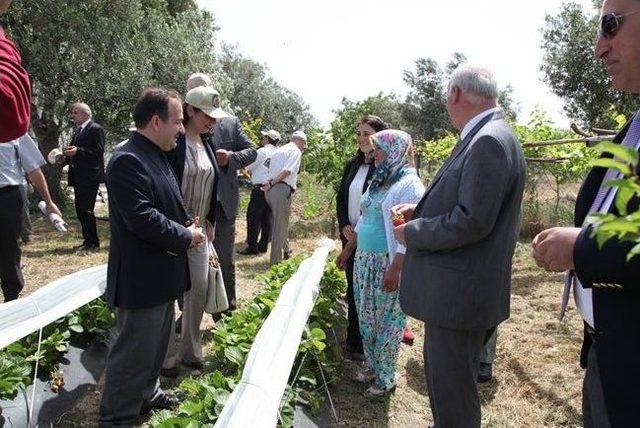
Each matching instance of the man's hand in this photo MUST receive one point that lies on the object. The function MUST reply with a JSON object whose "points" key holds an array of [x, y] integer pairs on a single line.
{"points": [[71, 151], [348, 232], [52, 208], [398, 233], [197, 236], [222, 156], [266, 187], [406, 210], [391, 279], [553, 248]]}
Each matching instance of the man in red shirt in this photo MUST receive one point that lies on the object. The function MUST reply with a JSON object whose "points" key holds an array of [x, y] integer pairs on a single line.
{"points": [[15, 90]]}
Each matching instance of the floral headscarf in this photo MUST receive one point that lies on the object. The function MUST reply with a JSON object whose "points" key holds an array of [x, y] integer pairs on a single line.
{"points": [[397, 145]]}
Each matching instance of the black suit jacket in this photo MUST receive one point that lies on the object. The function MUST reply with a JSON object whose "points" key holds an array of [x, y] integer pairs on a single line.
{"points": [[615, 286], [228, 135], [87, 166], [176, 159], [149, 242], [342, 198]]}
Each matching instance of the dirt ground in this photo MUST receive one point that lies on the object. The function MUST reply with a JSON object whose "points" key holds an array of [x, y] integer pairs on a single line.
{"points": [[537, 379]]}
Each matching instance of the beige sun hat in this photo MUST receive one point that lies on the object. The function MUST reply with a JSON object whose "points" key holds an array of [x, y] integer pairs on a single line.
{"points": [[206, 99]]}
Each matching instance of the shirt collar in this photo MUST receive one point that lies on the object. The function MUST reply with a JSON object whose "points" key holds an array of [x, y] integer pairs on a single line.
{"points": [[473, 122], [85, 124]]}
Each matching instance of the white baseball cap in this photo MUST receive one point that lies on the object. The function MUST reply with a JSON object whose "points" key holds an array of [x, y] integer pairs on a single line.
{"points": [[272, 134], [299, 134]]}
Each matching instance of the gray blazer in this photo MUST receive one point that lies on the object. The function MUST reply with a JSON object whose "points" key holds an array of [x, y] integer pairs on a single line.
{"points": [[228, 135], [457, 269]]}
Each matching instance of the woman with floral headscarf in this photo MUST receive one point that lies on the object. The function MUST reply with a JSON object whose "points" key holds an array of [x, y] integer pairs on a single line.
{"points": [[378, 259]]}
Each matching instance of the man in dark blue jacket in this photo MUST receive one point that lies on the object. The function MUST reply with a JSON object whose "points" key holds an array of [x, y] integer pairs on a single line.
{"points": [[150, 234], [606, 286]]}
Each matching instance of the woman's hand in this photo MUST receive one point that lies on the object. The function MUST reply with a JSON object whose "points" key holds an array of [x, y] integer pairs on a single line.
{"points": [[343, 258], [391, 280], [348, 232], [211, 232]]}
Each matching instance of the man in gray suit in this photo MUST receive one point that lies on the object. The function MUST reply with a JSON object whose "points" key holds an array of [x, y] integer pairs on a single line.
{"points": [[460, 241]]}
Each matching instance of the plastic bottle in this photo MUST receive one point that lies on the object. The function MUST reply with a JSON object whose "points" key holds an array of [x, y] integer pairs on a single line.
{"points": [[54, 218]]}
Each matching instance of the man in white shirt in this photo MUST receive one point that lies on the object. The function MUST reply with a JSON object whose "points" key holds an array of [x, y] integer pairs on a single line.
{"points": [[281, 183], [258, 211], [19, 158]]}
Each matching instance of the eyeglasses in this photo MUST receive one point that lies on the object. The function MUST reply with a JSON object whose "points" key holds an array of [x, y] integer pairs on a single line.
{"points": [[611, 22]]}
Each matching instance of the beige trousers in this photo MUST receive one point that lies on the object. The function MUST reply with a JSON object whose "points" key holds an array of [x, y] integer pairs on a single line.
{"points": [[279, 199], [190, 348]]}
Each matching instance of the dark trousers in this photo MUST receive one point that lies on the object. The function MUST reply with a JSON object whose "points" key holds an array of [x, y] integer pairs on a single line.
{"points": [[354, 340], [451, 359], [11, 277], [85, 201], [594, 409], [258, 221], [134, 362], [225, 238]]}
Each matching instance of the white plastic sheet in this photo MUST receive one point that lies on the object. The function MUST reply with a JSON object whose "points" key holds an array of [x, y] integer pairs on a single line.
{"points": [[255, 401], [21, 317]]}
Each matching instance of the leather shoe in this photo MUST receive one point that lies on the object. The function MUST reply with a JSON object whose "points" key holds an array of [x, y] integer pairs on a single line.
{"points": [[485, 372], [171, 372], [162, 402], [248, 251], [87, 247]]}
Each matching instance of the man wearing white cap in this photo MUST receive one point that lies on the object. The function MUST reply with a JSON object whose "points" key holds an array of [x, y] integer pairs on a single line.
{"points": [[258, 211], [234, 151], [281, 183]]}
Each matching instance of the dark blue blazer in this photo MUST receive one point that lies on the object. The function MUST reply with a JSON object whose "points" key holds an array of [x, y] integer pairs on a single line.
{"points": [[87, 166], [176, 160], [149, 242], [615, 286]]}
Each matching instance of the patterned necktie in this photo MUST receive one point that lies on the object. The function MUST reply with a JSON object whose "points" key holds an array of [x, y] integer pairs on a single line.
{"points": [[630, 140]]}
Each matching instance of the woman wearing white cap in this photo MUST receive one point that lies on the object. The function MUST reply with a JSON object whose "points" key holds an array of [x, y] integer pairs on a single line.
{"points": [[194, 163]]}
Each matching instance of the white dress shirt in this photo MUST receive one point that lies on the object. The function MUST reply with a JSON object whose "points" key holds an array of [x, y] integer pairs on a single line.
{"points": [[476, 119], [259, 169], [355, 193], [286, 158]]}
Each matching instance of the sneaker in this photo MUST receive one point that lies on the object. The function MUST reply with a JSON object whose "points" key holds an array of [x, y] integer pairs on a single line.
{"points": [[407, 336], [364, 375], [377, 391], [248, 251]]}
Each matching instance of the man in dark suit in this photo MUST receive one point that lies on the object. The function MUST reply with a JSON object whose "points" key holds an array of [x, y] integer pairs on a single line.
{"points": [[85, 157], [460, 242], [234, 151], [606, 286], [148, 270]]}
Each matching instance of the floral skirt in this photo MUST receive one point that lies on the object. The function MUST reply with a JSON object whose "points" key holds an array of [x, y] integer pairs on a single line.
{"points": [[381, 319]]}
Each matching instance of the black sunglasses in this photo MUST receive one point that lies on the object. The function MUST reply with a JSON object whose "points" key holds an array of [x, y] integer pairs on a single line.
{"points": [[611, 22]]}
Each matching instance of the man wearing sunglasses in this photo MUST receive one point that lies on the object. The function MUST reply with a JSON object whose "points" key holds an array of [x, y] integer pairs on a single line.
{"points": [[606, 286]]}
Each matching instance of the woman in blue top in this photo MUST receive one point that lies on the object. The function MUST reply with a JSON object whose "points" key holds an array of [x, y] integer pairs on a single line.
{"points": [[378, 259]]}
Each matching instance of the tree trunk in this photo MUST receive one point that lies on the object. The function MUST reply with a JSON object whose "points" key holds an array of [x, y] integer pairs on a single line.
{"points": [[48, 134]]}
